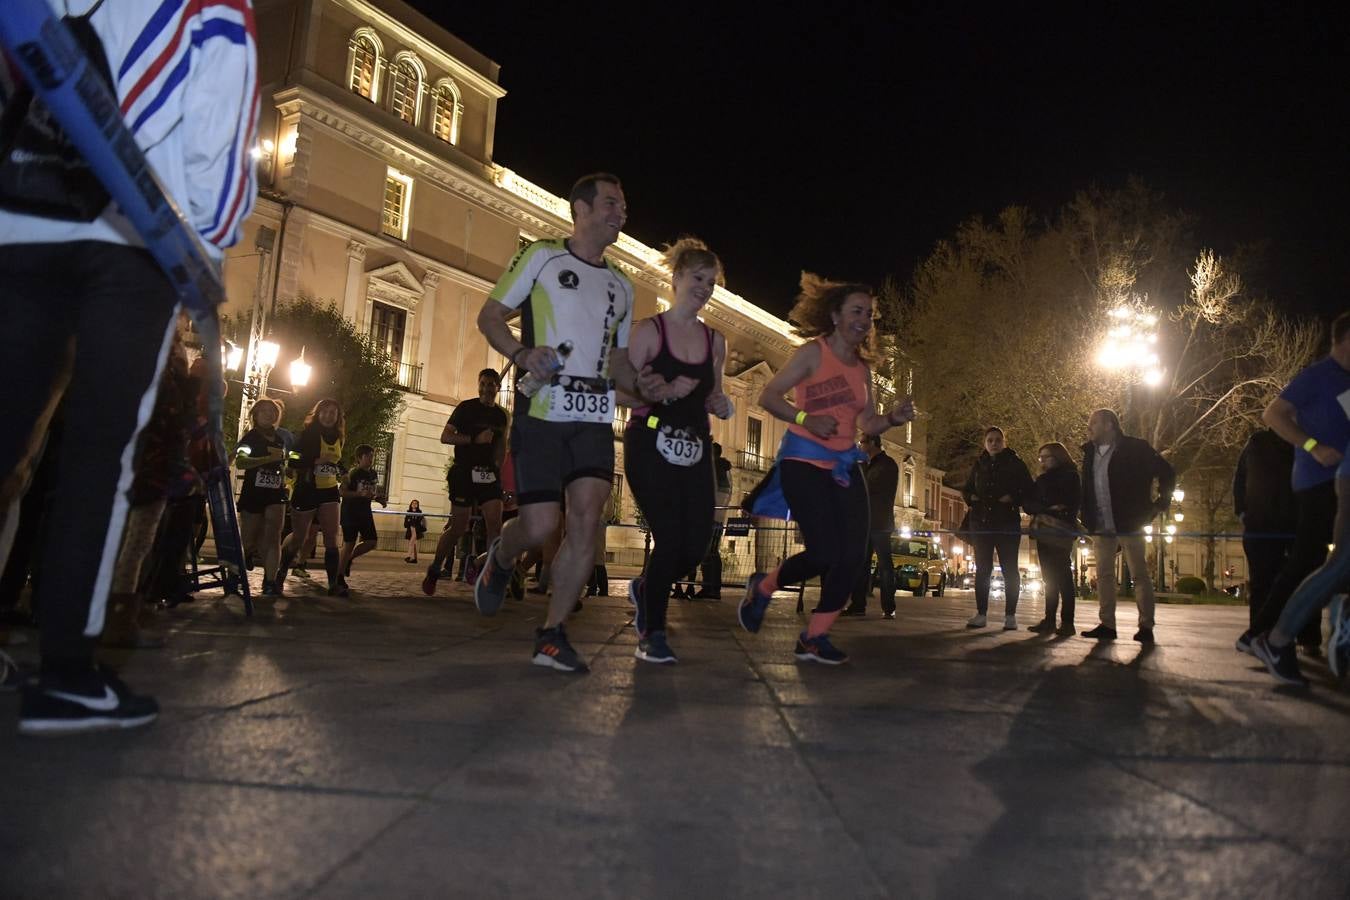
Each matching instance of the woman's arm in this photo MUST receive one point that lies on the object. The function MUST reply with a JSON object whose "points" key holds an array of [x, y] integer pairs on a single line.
{"points": [[643, 345], [801, 366]]}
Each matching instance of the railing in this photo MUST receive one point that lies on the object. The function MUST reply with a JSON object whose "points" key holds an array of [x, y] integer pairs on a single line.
{"points": [[908, 501], [408, 376], [753, 461]]}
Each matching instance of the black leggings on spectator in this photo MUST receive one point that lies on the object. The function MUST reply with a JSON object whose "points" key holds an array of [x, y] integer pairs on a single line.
{"points": [[1057, 574], [834, 526], [677, 502], [1007, 546]]}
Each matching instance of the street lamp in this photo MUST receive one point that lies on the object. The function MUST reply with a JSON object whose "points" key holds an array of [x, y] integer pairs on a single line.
{"points": [[1130, 344], [300, 371]]}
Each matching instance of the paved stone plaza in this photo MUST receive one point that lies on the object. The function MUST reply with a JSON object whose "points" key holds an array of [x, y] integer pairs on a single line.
{"points": [[399, 746]]}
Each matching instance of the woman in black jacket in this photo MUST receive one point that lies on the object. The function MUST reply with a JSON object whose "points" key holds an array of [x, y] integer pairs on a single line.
{"points": [[998, 481], [1057, 493], [414, 526]]}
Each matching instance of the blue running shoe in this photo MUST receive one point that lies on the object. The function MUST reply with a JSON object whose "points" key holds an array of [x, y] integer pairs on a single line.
{"points": [[489, 590], [553, 650], [1338, 650], [819, 649], [635, 597], [754, 606], [654, 649]]}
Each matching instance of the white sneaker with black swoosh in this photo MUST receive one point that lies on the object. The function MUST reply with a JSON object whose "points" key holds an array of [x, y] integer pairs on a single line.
{"points": [[98, 701]]}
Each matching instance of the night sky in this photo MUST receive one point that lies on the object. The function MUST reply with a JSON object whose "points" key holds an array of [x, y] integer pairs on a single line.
{"points": [[849, 142]]}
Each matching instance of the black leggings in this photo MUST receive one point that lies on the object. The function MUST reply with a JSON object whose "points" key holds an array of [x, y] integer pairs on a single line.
{"points": [[834, 523], [1057, 573], [677, 502], [1007, 546]]}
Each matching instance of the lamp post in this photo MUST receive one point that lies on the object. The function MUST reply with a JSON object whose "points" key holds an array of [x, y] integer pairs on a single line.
{"points": [[1130, 347]]}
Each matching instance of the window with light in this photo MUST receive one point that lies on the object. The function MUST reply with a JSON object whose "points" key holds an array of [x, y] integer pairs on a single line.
{"points": [[397, 204], [445, 125]]}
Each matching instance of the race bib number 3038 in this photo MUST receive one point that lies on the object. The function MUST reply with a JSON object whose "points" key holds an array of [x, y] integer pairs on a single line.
{"points": [[581, 400]]}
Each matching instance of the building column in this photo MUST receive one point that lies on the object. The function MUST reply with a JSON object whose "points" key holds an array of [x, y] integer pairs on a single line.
{"points": [[351, 298], [427, 312]]}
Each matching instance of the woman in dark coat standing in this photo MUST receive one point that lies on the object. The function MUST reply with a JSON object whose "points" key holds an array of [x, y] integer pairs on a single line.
{"points": [[1057, 493], [998, 482]]}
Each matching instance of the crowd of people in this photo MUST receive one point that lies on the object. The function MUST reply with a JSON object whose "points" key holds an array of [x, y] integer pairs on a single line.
{"points": [[540, 478]]}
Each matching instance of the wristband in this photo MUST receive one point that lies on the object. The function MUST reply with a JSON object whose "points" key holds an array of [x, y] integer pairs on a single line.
{"points": [[1309, 444], [801, 417]]}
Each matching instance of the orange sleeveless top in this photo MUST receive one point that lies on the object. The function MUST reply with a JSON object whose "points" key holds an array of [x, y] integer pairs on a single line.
{"points": [[836, 389]]}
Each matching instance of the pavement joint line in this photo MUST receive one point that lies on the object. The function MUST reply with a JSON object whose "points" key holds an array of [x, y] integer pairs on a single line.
{"points": [[798, 747]]}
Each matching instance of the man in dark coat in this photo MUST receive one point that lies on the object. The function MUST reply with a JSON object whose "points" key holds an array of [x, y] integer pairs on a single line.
{"points": [[1263, 500], [1118, 501], [883, 479]]}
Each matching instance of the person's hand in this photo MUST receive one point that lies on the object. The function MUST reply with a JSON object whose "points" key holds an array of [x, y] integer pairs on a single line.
{"points": [[901, 413], [656, 389], [1327, 456], [821, 426], [541, 362], [483, 437], [720, 405]]}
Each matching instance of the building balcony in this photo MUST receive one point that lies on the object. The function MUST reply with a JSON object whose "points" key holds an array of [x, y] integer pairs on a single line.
{"points": [[407, 375], [753, 462]]}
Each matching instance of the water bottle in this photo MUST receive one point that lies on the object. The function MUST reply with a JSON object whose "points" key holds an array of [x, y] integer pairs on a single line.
{"points": [[530, 384]]}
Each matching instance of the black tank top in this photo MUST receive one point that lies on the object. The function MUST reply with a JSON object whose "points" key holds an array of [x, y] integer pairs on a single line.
{"points": [[688, 411]]}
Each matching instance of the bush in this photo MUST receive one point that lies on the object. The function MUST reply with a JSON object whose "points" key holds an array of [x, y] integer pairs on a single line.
{"points": [[1190, 585]]}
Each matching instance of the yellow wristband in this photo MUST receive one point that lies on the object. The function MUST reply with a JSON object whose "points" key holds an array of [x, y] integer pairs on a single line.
{"points": [[1309, 444], [801, 416]]}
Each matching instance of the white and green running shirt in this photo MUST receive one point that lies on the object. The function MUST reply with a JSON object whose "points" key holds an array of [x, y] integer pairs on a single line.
{"points": [[564, 298]]}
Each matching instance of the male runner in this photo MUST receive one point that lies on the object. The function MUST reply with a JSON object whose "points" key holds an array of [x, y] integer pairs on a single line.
{"points": [[361, 487], [562, 440], [477, 431]]}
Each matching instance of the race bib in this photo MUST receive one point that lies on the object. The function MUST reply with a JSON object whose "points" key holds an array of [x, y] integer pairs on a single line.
{"points": [[483, 475], [267, 479], [580, 400], [328, 470], [678, 448]]}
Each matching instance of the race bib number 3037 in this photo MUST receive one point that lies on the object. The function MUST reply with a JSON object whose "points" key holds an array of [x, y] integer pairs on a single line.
{"points": [[679, 448]]}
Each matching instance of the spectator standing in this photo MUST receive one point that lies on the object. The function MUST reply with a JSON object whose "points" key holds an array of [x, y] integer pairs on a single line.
{"points": [[883, 480], [414, 527], [1263, 501], [998, 482], [1056, 493]]}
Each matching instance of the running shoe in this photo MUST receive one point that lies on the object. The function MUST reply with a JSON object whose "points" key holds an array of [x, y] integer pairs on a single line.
{"points": [[819, 649], [1338, 649], [654, 649], [634, 595], [97, 702], [1282, 662], [977, 621], [489, 589], [552, 649], [1244, 642], [429, 582], [754, 606], [1010, 623], [339, 588]]}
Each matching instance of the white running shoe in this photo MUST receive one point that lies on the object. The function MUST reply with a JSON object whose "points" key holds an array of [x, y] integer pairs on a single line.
{"points": [[1010, 623], [976, 621]]}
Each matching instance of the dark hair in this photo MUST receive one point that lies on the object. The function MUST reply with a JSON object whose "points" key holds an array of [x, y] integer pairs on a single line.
{"points": [[493, 374], [585, 189], [818, 301], [313, 417], [410, 505], [362, 450], [1339, 326], [265, 401], [1110, 416], [872, 439], [1060, 453]]}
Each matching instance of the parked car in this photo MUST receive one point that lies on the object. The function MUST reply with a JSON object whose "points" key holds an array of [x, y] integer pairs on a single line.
{"points": [[1031, 584], [965, 581], [920, 565]]}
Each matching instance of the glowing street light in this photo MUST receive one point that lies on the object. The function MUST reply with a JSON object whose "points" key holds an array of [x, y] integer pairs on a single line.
{"points": [[234, 355], [300, 370], [1130, 344]]}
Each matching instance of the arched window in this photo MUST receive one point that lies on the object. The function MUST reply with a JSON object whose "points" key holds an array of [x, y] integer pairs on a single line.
{"points": [[364, 63], [405, 87], [449, 109]]}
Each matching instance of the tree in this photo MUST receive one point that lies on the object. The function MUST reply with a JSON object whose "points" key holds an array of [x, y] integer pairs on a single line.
{"points": [[1002, 323], [348, 366]]}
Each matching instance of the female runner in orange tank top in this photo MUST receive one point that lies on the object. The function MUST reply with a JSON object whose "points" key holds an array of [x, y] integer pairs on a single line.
{"points": [[831, 382]]}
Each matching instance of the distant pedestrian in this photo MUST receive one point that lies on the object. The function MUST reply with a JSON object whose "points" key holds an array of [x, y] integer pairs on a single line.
{"points": [[317, 461], [883, 481], [1263, 501], [261, 460], [414, 527], [994, 491], [1119, 472], [1057, 493], [361, 487]]}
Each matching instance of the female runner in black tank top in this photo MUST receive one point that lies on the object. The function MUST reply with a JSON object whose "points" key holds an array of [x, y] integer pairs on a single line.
{"points": [[668, 448]]}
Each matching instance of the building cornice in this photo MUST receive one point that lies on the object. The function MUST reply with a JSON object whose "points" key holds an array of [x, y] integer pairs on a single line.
{"points": [[383, 22]]}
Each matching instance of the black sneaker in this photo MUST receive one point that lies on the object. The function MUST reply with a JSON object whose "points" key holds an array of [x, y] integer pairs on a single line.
{"points": [[654, 649], [854, 612], [819, 649], [339, 588], [1044, 626], [1338, 648], [489, 589], [552, 649], [1144, 636], [1101, 633], [634, 597], [1282, 661], [1244, 642], [888, 614], [52, 708], [754, 606], [429, 582]]}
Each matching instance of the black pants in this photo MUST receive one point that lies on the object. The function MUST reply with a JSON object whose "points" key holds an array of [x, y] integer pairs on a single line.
{"points": [[879, 543], [677, 502], [712, 564], [834, 524], [1057, 572], [1266, 555], [1316, 524], [119, 309], [1007, 546]]}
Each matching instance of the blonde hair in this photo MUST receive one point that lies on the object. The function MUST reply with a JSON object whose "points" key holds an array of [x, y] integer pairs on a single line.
{"points": [[691, 253], [818, 301]]}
